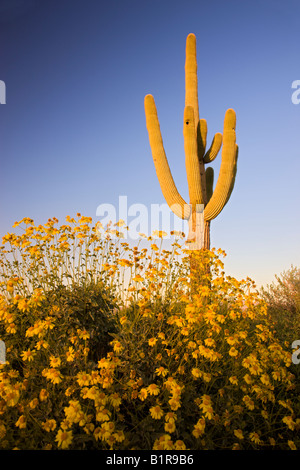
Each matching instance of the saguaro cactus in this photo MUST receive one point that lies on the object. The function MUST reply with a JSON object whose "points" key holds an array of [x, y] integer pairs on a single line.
{"points": [[205, 203]]}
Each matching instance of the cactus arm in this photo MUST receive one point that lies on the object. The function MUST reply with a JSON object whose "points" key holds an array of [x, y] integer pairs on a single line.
{"points": [[168, 187], [227, 169], [209, 176], [213, 151], [234, 173], [191, 158], [201, 139]]}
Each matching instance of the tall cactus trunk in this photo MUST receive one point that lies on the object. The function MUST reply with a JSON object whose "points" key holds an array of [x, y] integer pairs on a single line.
{"points": [[198, 240], [206, 243]]}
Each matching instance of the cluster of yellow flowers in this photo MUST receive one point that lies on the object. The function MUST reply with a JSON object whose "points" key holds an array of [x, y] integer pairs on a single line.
{"points": [[187, 367]]}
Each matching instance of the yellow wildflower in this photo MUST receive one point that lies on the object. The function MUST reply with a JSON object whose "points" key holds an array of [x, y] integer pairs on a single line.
{"points": [[83, 334], [231, 340], [12, 397], [265, 379], [115, 400], [41, 344], [49, 425], [52, 374], [174, 403], [70, 354], [233, 380], [103, 414], [23, 305], [156, 412], [254, 436], [55, 361], [206, 406], [10, 286], [103, 363], [179, 445], [11, 328], [44, 394], [233, 352], [138, 278], [83, 379], [170, 417], [153, 389], [33, 403], [288, 420], [119, 436], [247, 378], [196, 372], [276, 375], [238, 433], [21, 423], [28, 355], [64, 438], [163, 443], [117, 346], [170, 427], [154, 247], [199, 428], [248, 402], [159, 233], [73, 411], [106, 429], [143, 394], [161, 371], [292, 445], [123, 320], [152, 341], [272, 441]]}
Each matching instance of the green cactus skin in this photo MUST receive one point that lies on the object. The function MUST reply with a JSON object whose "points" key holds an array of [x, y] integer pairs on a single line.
{"points": [[200, 181]]}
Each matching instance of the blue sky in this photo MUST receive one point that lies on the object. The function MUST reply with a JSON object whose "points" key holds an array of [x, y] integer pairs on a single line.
{"points": [[73, 133]]}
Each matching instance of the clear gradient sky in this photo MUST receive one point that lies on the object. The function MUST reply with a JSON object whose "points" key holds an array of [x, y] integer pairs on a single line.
{"points": [[73, 133]]}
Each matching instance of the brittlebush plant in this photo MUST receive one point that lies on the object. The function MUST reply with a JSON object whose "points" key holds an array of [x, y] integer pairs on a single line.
{"points": [[108, 347]]}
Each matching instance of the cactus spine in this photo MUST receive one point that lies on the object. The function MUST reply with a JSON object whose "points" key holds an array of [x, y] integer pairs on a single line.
{"points": [[200, 180]]}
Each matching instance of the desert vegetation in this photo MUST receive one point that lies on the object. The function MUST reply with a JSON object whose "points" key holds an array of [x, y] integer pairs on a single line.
{"points": [[108, 347]]}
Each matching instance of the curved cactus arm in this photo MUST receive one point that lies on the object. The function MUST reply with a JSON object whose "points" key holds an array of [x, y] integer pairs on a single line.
{"points": [[234, 173], [209, 176], [191, 158], [176, 203], [213, 151], [227, 169]]}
